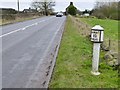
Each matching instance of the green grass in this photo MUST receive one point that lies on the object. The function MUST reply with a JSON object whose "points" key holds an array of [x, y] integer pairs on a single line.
{"points": [[110, 26], [110, 30], [73, 65]]}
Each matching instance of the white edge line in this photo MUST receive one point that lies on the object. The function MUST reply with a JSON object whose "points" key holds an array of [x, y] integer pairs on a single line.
{"points": [[24, 28]]}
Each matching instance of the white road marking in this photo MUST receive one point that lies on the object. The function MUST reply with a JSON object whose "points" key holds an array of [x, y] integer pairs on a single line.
{"points": [[9, 33], [24, 27], [36, 23]]}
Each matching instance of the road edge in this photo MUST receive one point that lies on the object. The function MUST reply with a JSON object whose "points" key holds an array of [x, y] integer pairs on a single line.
{"points": [[55, 54]]}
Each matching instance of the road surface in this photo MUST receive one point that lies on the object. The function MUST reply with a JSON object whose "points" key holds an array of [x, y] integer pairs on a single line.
{"points": [[24, 46]]}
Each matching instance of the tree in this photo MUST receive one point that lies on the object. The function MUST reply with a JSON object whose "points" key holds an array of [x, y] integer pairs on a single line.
{"points": [[86, 11], [71, 9], [43, 5]]}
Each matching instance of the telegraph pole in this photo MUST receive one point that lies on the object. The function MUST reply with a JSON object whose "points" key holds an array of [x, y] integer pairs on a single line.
{"points": [[18, 5]]}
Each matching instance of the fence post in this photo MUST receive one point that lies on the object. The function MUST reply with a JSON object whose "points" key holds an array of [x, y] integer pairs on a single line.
{"points": [[109, 44]]}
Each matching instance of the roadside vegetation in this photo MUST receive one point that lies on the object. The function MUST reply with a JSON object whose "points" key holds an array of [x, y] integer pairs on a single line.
{"points": [[16, 18], [9, 15], [73, 65], [105, 9]]}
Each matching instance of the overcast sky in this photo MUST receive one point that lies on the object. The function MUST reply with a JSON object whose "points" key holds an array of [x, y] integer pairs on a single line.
{"points": [[60, 4]]}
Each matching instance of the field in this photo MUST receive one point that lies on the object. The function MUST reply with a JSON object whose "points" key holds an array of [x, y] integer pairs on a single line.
{"points": [[110, 26], [110, 30], [73, 65]]}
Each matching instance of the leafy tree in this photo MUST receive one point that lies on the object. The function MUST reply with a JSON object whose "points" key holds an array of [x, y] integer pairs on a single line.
{"points": [[71, 9], [43, 5], [86, 11]]}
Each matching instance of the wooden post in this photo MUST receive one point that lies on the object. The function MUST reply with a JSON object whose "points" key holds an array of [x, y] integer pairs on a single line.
{"points": [[109, 44]]}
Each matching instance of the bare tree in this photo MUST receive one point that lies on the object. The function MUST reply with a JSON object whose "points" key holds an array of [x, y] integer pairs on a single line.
{"points": [[43, 5], [106, 9]]}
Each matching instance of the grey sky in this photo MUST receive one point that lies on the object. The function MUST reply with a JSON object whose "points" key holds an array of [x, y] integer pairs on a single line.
{"points": [[80, 5], [60, 4]]}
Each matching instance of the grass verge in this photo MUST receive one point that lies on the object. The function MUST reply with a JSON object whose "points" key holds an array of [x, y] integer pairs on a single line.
{"points": [[110, 30], [73, 64], [6, 22]]}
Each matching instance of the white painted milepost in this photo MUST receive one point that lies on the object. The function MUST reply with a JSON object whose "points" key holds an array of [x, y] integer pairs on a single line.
{"points": [[95, 61], [97, 39]]}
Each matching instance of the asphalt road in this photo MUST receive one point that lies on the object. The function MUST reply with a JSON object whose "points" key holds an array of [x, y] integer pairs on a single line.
{"points": [[24, 45]]}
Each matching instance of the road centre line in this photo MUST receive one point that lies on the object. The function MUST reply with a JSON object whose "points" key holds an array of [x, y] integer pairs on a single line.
{"points": [[24, 28]]}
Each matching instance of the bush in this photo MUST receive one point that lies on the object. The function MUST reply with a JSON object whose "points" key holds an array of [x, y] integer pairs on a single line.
{"points": [[8, 17], [99, 15], [92, 17], [114, 16], [106, 10]]}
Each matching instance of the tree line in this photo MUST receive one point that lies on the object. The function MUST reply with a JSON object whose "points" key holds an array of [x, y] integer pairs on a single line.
{"points": [[44, 6], [107, 9], [101, 10]]}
